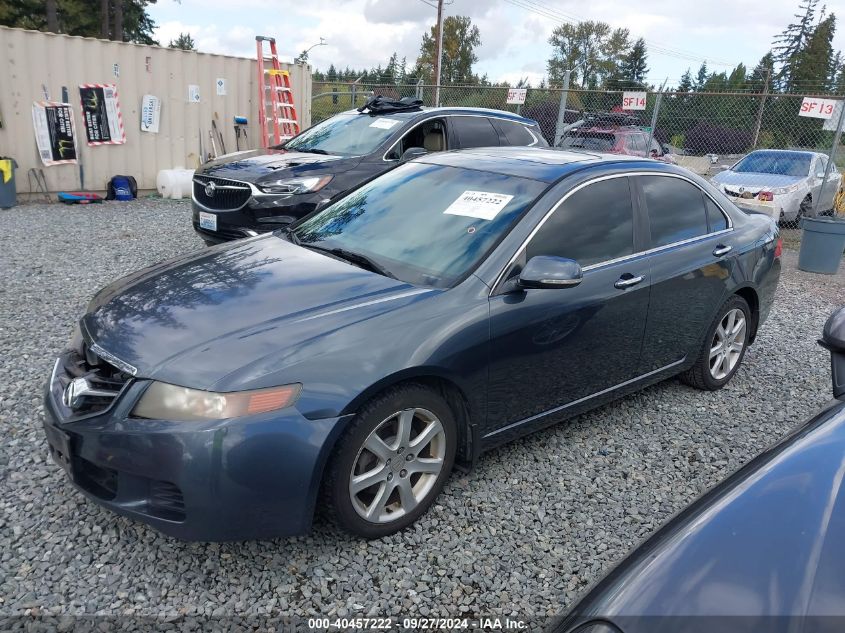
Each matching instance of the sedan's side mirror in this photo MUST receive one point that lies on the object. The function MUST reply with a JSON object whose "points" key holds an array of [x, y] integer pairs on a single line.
{"points": [[544, 271], [411, 153], [833, 338]]}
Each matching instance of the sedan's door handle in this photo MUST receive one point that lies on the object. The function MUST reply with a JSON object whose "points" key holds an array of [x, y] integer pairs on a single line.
{"points": [[722, 249], [626, 281]]}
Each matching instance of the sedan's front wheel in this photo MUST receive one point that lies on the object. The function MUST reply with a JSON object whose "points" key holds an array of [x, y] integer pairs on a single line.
{"points": [[724, 347], [392, 462]]}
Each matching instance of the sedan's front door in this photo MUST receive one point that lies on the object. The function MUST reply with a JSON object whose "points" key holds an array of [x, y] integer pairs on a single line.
{"points": [[552, 347]]}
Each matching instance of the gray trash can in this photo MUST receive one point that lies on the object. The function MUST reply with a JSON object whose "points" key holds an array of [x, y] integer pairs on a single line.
{"points": [[8, 198], [822, 244]]}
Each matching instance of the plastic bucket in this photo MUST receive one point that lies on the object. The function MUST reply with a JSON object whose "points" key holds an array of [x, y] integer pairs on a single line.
{"points": [[8, 197], [822, 244]]}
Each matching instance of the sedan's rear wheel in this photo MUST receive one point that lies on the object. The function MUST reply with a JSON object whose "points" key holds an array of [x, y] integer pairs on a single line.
{"points": [[724, 347], [392, 462]]}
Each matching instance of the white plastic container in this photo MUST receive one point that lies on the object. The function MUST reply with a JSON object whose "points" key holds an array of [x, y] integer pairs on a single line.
{"points": [[174, 183]]}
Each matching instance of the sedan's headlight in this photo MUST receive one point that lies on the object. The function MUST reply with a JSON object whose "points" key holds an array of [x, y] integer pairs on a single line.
{"points": [[162, 401], [293, 186], [779, 191]]}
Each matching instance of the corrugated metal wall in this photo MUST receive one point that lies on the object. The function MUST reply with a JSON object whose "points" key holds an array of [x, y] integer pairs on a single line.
{"points": [[30, 59]]}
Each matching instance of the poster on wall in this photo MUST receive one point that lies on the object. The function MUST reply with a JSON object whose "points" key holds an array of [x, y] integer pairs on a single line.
{"points": [[150, 113], [101, 114], [55, 134]]}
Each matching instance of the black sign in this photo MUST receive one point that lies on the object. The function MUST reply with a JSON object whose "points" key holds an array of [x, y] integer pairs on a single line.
{"points": [[54, 132]]}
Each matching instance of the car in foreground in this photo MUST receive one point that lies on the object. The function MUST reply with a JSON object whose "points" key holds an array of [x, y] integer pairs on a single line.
{"points": [[783, 184], [459, 301], [252, 192], [761, 552], [626, 140]]}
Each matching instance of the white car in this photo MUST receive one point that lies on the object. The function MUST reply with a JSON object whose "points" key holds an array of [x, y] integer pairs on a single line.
{"points": [[782, 184]]}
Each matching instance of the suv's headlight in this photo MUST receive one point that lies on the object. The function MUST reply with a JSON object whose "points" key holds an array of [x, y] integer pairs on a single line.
{"points": [[162, 401], [294, 186], [779, 191]]}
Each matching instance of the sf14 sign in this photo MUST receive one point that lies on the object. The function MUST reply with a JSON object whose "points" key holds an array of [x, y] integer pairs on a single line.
{"points": [[633, 100], [817, 108], [517, 95]]}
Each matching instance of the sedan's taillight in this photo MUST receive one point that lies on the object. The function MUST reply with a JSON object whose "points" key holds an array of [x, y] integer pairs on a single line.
{"points": [[779, 247], [766, 196]]}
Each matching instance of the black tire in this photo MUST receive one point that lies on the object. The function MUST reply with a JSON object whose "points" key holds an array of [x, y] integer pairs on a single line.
{"points": [[337, 495], [700, 375], [804, 210]]}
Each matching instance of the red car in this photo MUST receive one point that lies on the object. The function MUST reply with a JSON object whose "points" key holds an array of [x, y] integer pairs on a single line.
{"points": [[628, 140]]}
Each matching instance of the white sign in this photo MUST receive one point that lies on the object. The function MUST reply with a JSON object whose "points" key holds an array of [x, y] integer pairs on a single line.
{"points": [[384, 124], [817, 108], [833, 121], [221, 87], [478, 204], [193, 93], [150, 113], [517, 95], [633, 100]]}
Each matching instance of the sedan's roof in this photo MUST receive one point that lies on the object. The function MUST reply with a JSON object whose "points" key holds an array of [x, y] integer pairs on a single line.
{"points": [[537, 163]]}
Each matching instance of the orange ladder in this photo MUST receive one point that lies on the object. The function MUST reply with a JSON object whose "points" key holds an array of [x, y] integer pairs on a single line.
{"points": [[274, 92]]}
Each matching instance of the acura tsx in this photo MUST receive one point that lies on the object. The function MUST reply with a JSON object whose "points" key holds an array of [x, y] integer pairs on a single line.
{"points": [[349, 362]]}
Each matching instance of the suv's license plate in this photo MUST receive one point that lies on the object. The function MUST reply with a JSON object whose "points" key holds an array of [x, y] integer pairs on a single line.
{"points": [[208, 221]]}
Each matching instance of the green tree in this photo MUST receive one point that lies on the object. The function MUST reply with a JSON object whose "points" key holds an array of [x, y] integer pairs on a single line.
{"points": [[764, 71], [686, 84], [122, 20], [810, 68], [634, 65], [591, 50], [460, 40], [185, 42], [790, 43], [701, 77]]}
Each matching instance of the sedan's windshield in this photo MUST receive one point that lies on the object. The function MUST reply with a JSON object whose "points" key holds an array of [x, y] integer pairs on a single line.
{"points": [[346, 134], [594, 142], [780, 163], [424, 224]]}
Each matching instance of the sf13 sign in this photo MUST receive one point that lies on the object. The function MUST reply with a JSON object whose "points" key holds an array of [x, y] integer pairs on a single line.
{"points": [[817, 108], [517, 95], [633, 100]]}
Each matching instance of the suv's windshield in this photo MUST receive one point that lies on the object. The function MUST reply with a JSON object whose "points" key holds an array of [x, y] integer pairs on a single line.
{"points": [[424, 224], [780, 163], [594, 142], [346, 134]]}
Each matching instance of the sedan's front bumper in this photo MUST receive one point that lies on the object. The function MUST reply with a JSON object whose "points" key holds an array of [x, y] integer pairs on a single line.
{"points": [[249, 478]]}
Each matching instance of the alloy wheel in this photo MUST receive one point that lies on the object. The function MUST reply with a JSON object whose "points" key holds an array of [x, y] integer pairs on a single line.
{"points": [[728, 343], [398, 465]]}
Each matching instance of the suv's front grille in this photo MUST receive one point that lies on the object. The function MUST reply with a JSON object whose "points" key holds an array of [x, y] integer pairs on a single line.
{"points": [[220, 193], [103, 381]]}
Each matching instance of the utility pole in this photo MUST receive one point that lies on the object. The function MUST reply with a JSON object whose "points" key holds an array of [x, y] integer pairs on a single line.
{"points": [[561, 112], [438, 56], [759, 121]]}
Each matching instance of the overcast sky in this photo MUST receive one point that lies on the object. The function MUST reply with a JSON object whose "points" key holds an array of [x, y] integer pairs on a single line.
{"points": [[363, 33]]}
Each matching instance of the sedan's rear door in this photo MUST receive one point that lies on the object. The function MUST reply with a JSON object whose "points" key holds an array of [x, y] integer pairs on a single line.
{"points": [[692, 261]]}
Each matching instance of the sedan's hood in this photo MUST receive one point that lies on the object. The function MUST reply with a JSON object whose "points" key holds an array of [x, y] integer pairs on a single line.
{"points": [[271, 164], [196, 320], [751, 180]]}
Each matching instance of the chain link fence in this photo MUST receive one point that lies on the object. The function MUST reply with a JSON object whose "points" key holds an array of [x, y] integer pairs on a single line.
{"points": [[727, 138]]}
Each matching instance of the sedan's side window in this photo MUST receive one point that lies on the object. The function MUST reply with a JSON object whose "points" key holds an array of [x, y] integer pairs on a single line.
{"points": [[475, 131], [715, 217], [675, 209], [821, 165], [515, 133], [429, 135], [595, 224]]}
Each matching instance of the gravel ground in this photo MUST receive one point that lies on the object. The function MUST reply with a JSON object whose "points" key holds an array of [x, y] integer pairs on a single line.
{"points": [[523, 534]]}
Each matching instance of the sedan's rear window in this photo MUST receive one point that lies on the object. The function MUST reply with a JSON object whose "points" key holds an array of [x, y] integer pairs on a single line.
{"points": [[595, 142], [425, 224]]}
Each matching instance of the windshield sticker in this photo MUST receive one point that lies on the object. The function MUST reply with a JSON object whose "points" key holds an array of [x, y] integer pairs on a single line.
{"points": [[384, 124], [479, 204]]}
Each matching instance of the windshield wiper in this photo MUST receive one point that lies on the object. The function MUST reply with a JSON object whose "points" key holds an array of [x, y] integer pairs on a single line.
{"points": [[290, 235], [310, 150], [354, 258]]}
